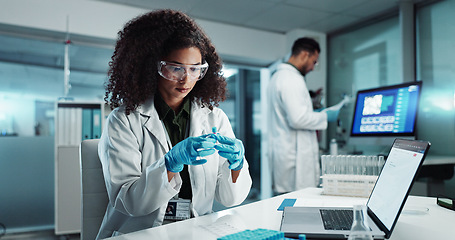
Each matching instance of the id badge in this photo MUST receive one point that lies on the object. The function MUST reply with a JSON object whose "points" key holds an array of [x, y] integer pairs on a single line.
{"points": [[178, 209]]}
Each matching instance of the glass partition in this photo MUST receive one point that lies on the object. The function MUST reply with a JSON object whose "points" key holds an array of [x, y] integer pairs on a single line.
{"points": [[243, 109], [31, 81], [365, 58], [435, 34]]}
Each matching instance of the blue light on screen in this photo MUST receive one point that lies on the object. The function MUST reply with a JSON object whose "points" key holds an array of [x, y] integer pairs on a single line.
{"points": [[385, 111]]}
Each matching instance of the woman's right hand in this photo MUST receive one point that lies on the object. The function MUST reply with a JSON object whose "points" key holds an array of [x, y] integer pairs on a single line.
{"points": [[188, 152]]}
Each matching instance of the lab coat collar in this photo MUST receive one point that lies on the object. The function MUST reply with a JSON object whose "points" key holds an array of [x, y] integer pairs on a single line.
{"points": [[152, 121], [291, 67]]}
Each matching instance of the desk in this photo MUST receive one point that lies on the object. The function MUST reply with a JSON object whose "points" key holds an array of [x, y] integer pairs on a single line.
{"points": [[436, 223], [435, 171], [439, 160]]}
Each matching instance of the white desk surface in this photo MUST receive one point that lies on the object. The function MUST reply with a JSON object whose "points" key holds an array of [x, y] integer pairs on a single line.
{"points": [[438, 159], [421, 219]]}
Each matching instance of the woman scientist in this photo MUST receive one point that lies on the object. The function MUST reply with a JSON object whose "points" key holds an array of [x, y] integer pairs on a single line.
{"points": [[159, 147]]}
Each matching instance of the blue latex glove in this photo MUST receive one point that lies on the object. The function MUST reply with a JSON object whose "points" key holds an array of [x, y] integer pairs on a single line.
{"points": [[232, 149], [332, 115], [188, 150]]}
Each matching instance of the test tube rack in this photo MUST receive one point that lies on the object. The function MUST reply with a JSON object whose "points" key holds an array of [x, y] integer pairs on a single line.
{"points": [[350, 175], [348, 185]]}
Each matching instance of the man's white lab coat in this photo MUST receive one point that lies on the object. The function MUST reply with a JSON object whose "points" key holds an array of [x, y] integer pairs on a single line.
{"points": [[293, 145]]}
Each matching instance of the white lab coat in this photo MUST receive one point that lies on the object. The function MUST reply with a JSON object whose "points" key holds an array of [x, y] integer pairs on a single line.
{"points": [[131, 151], [293, 145]]}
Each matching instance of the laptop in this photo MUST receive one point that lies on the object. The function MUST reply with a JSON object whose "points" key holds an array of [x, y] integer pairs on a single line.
{"points": [[384, 204]]}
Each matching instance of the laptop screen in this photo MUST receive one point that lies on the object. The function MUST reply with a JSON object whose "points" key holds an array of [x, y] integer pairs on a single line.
{"points": [[394, 182]]}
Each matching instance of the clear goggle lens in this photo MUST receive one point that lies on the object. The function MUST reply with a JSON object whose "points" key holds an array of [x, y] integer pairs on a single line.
{"points": [[177, 72]]}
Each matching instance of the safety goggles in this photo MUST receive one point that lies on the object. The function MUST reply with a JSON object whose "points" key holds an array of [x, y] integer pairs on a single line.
{"points": [[177, 72]]}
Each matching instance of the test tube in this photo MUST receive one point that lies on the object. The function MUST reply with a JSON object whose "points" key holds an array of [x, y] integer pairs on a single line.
{"points": [[381, 163], [350, 163], [324, 164], [374, 165], [333, 161], [368, 165], [336, 164], [363, 165], [357, 165], [341, 163], [354, 164], [328, 164]]}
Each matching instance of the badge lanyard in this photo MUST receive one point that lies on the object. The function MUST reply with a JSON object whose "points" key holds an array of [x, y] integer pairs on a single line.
{"points": [[177, 209]]}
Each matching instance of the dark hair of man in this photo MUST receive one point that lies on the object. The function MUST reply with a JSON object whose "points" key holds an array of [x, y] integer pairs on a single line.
{"points": [[305, 44], [146, 40]]}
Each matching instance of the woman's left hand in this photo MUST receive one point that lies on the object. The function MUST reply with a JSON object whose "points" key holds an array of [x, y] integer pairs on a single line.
{"points": [[232, 149]]}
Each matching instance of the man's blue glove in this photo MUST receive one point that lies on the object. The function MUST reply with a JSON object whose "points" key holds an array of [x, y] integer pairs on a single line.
{"points": [[187, 152], [232, 149], [332, 115]]}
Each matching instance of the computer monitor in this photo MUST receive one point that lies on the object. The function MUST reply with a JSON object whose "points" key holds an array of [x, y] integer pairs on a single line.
{"points": [[385, 113]]}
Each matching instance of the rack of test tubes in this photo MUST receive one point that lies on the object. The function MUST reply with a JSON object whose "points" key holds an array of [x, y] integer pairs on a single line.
{"points": [[350, 175]]}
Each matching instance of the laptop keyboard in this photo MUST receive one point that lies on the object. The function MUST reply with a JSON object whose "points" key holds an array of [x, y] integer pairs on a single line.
{"points": [[337, 219]]}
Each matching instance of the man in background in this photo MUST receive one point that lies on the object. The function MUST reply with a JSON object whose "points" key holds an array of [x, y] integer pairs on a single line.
{"points": [[293, 144]]}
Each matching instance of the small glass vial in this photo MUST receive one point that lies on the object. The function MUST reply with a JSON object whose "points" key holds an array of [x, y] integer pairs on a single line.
{"points": [[360, 229]]}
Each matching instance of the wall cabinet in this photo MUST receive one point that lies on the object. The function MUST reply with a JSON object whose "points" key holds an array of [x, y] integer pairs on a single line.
{"points": [[74, 122]]}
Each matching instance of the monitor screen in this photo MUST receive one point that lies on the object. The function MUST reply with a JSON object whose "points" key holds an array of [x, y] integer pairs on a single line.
{"points": [[389, 111]]}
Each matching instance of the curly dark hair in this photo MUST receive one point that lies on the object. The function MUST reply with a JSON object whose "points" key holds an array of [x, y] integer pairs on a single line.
{"points": [[143, 42]]}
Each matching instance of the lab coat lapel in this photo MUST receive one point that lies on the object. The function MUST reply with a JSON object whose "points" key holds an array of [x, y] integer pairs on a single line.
{"points": [[153, 123], [198, 120], [198, 127]]}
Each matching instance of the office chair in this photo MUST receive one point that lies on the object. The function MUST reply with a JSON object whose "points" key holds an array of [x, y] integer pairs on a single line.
{"points": [[94, 194]]}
